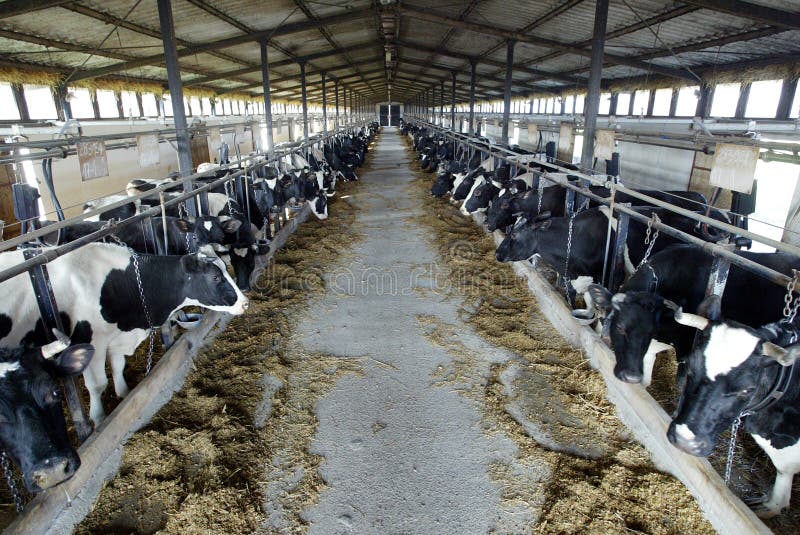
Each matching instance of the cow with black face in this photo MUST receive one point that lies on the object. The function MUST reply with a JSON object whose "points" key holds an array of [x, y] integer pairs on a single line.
{"points": [[32, 427], [737, 370]]}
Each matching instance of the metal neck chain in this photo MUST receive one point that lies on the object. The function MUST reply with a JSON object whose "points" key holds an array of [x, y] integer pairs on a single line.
{"points": [[732, 446], [569, 250], [147, 318], [541, 194], [649, 241], [12, 485], [790, 308]]}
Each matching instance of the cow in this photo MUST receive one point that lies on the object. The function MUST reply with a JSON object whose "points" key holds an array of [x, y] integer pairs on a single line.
{"points": [[640, 314], [738, 371], [32, 427], [119, 213], [98, 293]]}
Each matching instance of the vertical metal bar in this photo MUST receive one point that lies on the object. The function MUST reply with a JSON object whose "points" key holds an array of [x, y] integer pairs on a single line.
{"points": [[704, 102], [612, 107], [304, 100], [617, 274], [507, 93], [741, 105], [176, 95], [324, 106], [267, 98], [441, 103], [453, 105], [787, 94], [22, 105], [472, 65], [593, 93], [336, 93], [673, 103]]}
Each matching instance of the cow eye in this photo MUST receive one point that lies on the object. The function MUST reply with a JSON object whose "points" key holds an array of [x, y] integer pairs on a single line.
{"points": [[217, 278]]}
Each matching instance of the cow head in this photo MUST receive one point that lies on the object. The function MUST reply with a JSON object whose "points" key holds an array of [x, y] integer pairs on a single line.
{"points": [[319, 205], [480, 198], [208, 229], [442, 184], [499, 214], [522, 240], [732, 368], [633, 320], [208, 284], [32, 427]]}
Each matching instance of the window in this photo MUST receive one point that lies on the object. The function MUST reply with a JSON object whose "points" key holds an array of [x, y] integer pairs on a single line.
{"points": [[640, 101], [130, 106], [205, 104], [605, 103], [549, 104], [662, 102], [8, 105], [795, 109], [167, 105], [226, 107], [40, 102], [194, 105], [579, 104], [80, 102], [623, 103], [726, 96], [687, 101], [107, 102], [763, 99], [149, 105], [569, 103]]}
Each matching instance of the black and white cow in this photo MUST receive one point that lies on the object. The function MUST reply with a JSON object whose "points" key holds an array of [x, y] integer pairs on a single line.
{"points": [[640, 315], [97, 293], [32, 427], [119, 213], [734, 369]]}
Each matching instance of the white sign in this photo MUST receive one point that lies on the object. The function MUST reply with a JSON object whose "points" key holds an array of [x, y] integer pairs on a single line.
{"points": [[604, 144], [239, 129], [214, 142], [147, 145], [566, 142], [734, 167], [533, 134], [92, 159]]}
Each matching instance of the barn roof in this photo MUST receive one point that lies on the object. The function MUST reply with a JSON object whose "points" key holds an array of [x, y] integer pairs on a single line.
{"points": [[411, 45]]}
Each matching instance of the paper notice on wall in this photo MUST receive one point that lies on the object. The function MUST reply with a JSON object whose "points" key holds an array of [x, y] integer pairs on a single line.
{"points": [[92, 159], [566, 142], [734, 167], [214, 141], [603, 144], [533, 134], [239, 129], [147, 146]]}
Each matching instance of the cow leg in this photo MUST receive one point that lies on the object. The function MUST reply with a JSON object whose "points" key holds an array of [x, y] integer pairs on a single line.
{"points": [[117, 359], [649, 360], [779, 497], [96, 382]]}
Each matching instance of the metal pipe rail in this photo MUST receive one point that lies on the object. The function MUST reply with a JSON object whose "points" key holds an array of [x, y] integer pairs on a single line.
{"points": [[50, 254], [711, 248]]}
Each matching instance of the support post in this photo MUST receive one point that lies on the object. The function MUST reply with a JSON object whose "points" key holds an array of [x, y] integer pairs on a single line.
{"points": [[703, 109], [741, 105], [303, 97], [507, 92], [267, 98], [441, 103], [785, 103], [593, 93], [336, 96], [472, 66], [22, 104], [176, 95], [324, 105], [453, 103]]}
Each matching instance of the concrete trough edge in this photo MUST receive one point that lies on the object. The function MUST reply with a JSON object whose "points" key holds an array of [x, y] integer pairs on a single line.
{"points": [[643, 416], [59, 509]]}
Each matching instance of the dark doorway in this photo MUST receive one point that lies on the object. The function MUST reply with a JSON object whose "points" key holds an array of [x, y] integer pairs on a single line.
{"points": [[395, 115], [384, 115]]}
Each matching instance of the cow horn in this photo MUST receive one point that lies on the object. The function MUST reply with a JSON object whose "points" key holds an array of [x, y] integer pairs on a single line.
{"points": [[768, 349], [53, 348], [671, 305], [690, 320]]}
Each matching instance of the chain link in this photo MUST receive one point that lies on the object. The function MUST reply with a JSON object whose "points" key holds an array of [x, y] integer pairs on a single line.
{"points": [[790, 308], [541, 194], [732, 447], [569, 250], [650, 242], [12, 485]]}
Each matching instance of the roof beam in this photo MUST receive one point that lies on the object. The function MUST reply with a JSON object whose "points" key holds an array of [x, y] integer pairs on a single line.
{"points": [[749, 10], [308, 84], [12, 8], [548, 43], [285, 29]]}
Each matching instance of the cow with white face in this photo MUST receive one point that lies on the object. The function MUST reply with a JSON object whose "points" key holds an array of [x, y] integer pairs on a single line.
{"points": [[737, 370], [98, 295], [32, 427]]}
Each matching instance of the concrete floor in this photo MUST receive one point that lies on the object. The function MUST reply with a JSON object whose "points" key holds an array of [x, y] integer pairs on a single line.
{"points": [[401, 454]]}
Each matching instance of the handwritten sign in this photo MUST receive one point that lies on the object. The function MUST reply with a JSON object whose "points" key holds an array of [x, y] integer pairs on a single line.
{"points": [[734, 167], [214, 141], [604, 144], [147, 146], [566, 142], [92, 159]]}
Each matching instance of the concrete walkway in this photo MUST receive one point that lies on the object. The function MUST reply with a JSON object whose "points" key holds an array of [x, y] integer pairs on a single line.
{"points": [[401, 454]]}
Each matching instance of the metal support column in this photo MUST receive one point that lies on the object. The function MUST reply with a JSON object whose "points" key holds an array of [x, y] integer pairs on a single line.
{"points": [[593, 93], [324, 106], [267, 98], [472, 67], [303, 96], [453, 103], [336, 94], [441, 103], [785, 103], [507, 93], [176, 95]]}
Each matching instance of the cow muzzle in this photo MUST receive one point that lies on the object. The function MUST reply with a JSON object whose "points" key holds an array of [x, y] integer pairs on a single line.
{"points": [[51, 472], [693, 445]]}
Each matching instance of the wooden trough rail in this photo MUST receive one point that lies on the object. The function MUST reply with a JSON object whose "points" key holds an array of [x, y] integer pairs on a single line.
{"points": [[138, 407], [642, 414]]}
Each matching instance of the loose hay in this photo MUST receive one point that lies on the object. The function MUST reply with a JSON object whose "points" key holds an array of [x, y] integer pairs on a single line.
{"points": [[616, 490], [199, 466]]}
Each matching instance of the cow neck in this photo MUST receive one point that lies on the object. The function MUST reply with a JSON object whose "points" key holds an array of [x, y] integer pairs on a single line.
{"points": [[784, 392], [162, 281]]}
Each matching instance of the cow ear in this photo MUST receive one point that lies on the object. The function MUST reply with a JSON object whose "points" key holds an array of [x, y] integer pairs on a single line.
{"points": [[711, 308], [231, 225], [784, 356], [601, 297], [73, 360], [184, 225]]}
